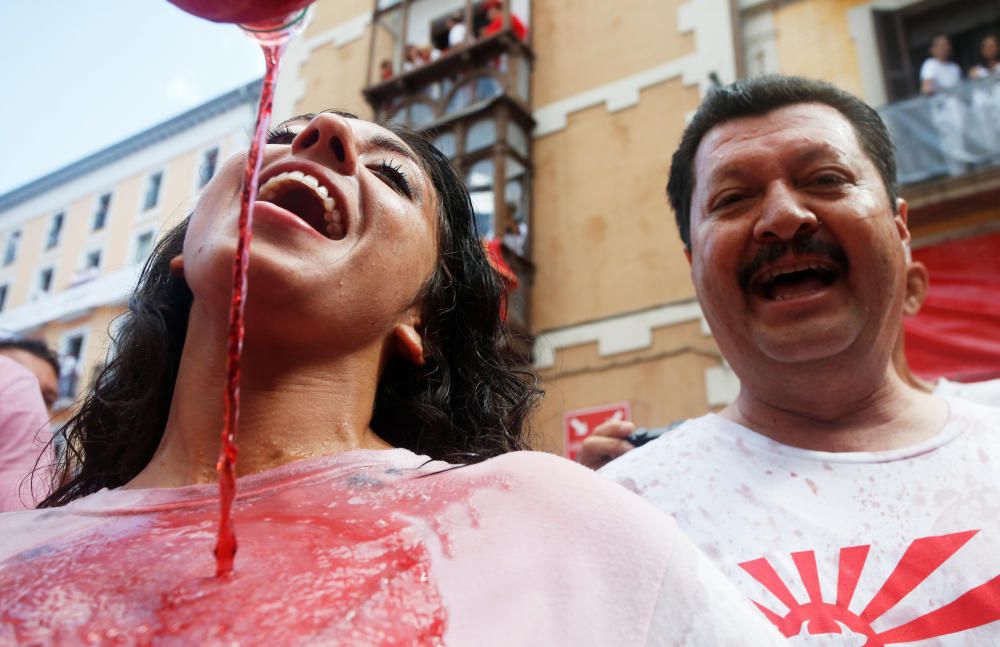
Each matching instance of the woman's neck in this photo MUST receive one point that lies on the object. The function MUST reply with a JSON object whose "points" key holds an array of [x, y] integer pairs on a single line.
{"points": [[292, 406]]}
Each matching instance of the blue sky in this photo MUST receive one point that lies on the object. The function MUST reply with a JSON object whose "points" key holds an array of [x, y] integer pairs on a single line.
{"points": [[84, 74]]}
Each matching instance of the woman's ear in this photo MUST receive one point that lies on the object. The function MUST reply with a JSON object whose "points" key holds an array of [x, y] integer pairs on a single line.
{"points": [[177, 266], [409, 343]]}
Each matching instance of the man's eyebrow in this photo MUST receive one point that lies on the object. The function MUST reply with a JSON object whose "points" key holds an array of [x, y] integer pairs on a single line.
{"points": [[819, 151], [810, 154], [727, 172]]}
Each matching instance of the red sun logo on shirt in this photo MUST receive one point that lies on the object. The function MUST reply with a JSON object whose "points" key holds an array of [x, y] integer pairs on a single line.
{"points": [[816, 621]]}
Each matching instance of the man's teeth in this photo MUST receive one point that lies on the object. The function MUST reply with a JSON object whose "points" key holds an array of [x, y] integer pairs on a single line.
{"points": [[791, 269], [277, 184]]}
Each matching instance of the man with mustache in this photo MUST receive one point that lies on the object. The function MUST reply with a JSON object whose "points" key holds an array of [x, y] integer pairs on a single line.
{"points": [[837, 497]]}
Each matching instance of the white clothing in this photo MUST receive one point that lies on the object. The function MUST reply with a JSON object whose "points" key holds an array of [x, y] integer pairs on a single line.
{"points": [[371, 548], [457, 34], [945, 75], [947, 112], [981, 71], [900, 547], [987, 392]]}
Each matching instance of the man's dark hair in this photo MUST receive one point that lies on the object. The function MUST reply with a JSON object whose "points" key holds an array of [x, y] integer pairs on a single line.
{"points": [[35, 347], [759, 96]]}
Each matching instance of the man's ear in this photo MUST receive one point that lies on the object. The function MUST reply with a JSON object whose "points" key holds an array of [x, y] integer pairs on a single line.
{"points": [[177, 266], [917, 281], [409, 343], [902, 213]]}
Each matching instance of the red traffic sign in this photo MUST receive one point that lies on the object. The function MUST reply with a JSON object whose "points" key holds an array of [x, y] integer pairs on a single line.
{"points": [[580, 423]]}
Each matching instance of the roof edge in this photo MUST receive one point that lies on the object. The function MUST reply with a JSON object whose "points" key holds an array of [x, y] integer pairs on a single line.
{"points": [[244, 94]]}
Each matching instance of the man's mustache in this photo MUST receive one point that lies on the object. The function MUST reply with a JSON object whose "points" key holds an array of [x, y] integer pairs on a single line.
{"points": [[810, 246]]}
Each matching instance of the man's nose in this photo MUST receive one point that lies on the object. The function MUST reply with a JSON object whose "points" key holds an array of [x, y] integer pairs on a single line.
{"points": [[783, 216], [328, 140]]}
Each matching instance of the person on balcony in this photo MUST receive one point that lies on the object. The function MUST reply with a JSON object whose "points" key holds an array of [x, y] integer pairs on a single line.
{"points": [[457, 33], [989, 49], [494, 13], [938, 77], [938, 73], [986, 97]]}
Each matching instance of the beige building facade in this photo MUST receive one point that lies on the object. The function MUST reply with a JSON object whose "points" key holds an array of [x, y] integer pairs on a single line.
{"points": [[73, 242]]}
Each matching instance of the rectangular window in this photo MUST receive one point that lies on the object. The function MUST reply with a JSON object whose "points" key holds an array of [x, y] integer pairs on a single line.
{"points": [[153, 190], [69, 366], [208, 163], [45, 280], [143, 243], [10, 254], [3, 296], [55, 230], [101, 215], [92, 260]]}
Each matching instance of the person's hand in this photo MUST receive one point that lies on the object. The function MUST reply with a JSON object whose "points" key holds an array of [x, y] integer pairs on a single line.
{"points": [[606, 443]]}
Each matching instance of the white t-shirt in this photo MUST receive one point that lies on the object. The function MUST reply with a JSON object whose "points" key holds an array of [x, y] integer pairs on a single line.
{"points": [[371, 548], [987, 392], [901, 547], [456, 35], [945, 75]]}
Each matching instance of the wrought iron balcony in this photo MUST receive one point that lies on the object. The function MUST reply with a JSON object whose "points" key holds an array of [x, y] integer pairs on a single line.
{"points": [[474, 99]]}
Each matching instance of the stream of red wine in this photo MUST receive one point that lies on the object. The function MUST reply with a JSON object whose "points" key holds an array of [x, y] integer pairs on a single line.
{"points": [[225, 547]]}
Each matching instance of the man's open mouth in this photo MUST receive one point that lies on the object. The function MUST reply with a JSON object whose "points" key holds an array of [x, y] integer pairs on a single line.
{"points": [[303, 195], [798, 279]]}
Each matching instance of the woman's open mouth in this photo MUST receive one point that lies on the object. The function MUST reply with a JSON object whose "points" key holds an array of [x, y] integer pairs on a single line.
{"points": [[303, 195]]}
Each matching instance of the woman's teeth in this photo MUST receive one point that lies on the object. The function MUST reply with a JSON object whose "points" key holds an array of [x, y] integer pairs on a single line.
{"points": [[282, 183]]}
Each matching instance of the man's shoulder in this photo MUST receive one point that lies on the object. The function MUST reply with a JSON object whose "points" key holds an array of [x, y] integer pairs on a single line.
{"points": [[985, 393], [973, 416]]}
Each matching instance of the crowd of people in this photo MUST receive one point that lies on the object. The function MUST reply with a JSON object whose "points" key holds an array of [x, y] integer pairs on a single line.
{"points": [[939, 73], [960, 111], [458, 32], [383, 471]]}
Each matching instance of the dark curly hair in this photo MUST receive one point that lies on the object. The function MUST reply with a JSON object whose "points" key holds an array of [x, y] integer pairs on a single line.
{"points": [[466, 404]]}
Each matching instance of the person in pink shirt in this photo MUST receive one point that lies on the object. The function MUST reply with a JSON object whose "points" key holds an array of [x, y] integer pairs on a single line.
{"points": [[382, 497], [24, 431], [37, 357]]}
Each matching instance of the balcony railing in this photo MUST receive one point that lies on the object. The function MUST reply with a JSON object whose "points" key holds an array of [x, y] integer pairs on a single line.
{"points": [[948, 133]]}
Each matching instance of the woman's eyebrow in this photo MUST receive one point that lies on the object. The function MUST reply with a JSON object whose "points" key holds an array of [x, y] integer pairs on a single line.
{"points": [[307, 117], [381, 142]]}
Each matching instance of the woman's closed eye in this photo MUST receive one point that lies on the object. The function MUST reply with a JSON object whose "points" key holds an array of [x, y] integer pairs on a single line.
{"points": [[393, 175], [280, 134]]}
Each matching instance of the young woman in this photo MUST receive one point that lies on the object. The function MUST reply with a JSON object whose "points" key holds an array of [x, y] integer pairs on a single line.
{"points": [[989, 49], [375, 387]]}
